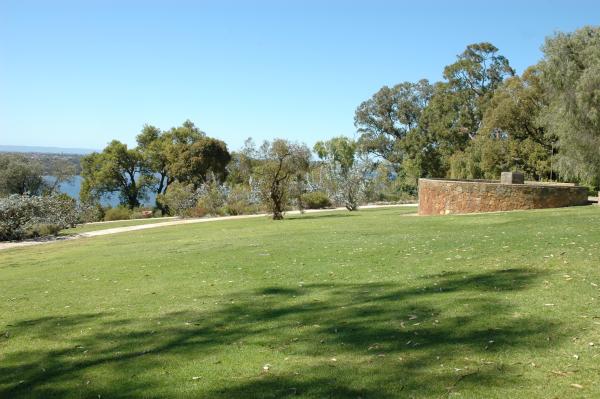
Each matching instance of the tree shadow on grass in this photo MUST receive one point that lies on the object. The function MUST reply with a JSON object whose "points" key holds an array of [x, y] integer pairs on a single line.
{"points": [[385, 341]]}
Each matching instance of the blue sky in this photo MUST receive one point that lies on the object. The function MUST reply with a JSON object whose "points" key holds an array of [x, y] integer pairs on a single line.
{"points": [[80, 73]]}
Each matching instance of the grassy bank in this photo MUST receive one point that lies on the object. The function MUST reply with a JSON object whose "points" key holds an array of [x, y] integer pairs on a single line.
{"points": [[366, 304]]}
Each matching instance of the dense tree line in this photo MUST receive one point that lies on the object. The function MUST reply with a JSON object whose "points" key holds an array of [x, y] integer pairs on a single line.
{"points": [[182, 154], [483, 118], [35, 174]]}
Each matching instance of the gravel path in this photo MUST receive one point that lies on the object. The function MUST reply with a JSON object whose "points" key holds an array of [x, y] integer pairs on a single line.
{"points": [[116, 230]]}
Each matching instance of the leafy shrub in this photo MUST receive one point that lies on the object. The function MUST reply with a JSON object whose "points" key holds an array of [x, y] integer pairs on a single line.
{"points": [[179, 200], [60, 210], [197, 212], [42, 230], [90, 212], [240, 201], [142, 213], [157, 213], [316, 200], [212, 197], [24, 216], [118, 213]]}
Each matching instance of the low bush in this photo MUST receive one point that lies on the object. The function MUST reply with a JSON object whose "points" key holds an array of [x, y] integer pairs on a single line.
{"points": [[90, 212], [118, 213], [24, 216], [142, 213], [240, 201], [197, 212], [179, 200], [212, 196], [316, 200], [43, 230]]}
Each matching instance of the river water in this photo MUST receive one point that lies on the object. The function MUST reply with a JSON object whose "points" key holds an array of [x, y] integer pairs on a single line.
{"points": [[73, 186]]}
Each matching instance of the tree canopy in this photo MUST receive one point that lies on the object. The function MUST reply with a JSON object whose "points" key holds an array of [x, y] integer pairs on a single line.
{"points": [[482, 119], [117, 169], [571, 77], [282, 163]]}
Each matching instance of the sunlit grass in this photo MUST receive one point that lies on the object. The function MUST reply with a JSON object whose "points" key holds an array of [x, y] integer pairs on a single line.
{"points": [[368, 304]]}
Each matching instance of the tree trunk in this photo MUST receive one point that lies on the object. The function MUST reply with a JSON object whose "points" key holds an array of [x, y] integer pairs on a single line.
{"points": [[276, 198]]}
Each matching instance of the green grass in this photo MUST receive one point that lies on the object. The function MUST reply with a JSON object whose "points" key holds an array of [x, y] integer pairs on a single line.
{"points": [[84, 228], [371, 304]]}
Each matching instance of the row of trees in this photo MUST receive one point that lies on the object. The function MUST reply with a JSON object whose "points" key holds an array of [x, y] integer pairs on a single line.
{"points": [[483, 118], [183, 166], [183, 154], [21, 174]]}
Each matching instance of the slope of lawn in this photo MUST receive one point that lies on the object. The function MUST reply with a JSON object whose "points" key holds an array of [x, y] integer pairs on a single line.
{"points": [[371, 304]]}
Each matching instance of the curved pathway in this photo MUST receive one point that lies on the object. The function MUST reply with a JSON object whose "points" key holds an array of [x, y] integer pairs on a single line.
{"points": [[173, 222]]}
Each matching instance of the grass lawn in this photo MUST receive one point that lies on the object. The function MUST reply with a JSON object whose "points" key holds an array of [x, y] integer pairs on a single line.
{"points": [[371, 304]]}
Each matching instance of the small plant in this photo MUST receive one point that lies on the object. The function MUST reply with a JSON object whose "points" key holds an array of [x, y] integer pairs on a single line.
{"points": [[240, 201], [24, 216], [90, 212], [43, 230], [179, 200], [118, 213], [212, 197], [316, 200], [141, 213]]}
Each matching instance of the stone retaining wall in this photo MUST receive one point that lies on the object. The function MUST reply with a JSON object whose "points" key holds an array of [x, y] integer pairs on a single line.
{"points": [[444, 196]]}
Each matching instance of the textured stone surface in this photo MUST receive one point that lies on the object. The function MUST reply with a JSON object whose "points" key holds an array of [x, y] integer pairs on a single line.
{"points": [[443, 197], [512, 178]]}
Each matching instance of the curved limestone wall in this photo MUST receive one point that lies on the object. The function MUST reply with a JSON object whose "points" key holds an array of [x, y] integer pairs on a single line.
{"points": [[443, 197]]}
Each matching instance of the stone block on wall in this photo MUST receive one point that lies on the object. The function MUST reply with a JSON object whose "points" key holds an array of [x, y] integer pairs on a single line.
{"points": [[512, 178]]}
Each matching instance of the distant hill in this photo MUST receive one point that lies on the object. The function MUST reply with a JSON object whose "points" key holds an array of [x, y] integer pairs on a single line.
{"points": [[45, 150]]}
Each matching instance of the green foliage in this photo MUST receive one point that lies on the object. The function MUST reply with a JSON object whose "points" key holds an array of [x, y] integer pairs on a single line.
{"points": [[153, 145], [184, 154], [24, 216], [192, 156], [513, 136], [117, 213], [340, 151], [43, 230], [479, 70], [388, 186], [316, 200], [90, 212], [482, 120], [18, 175], [343, 174], [179, 200], [389, 116], [282, 165], [24, 173], [571, 77], [418, 127], [212, 197], [240, 201], [116, 169], [142, 213]]}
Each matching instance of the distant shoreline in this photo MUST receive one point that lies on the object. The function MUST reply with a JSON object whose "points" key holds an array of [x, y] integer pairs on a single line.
{"points": [[45, 150]]}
